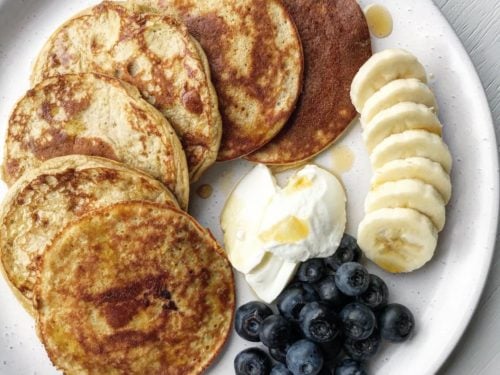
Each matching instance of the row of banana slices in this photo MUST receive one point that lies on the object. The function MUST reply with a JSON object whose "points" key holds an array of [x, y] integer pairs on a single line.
{"points": [[405, 208]]}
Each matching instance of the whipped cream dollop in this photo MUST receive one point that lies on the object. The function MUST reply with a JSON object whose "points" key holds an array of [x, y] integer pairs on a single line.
{"points": [[307, 218], [268, 230]]}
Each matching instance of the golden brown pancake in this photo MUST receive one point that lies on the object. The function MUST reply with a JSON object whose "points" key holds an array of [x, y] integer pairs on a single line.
{"points": [[45, 199], [134, 288], [256, 59], [152, 52], [97, 115], [336, 43]]}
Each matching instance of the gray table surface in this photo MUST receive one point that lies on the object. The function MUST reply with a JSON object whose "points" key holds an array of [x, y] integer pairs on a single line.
{"points": [[477, 23]]}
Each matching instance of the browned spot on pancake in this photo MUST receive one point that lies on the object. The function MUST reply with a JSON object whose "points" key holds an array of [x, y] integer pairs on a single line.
{"points": [[73, 107], [46, 111], [60, 144], [204, 277], [210, 29], [192, 101], [30, 93], [145, 123], [130, 338], [194, 148], [95, 46], [119, 305], [120, 314], [110, 175], [336, 42], [55, 59], [167, 96], [63, 91], [133, 68], [130, 291], [12, 167]]}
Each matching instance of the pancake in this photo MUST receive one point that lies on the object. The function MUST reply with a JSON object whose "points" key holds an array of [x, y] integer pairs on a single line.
{"points": [[255, 55], [92, 114], [152, 52], [134, 288], [336, 44], [44, 200]]}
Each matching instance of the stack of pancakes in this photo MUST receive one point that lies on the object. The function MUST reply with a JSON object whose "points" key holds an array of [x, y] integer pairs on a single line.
{"points": [[130, 102]]}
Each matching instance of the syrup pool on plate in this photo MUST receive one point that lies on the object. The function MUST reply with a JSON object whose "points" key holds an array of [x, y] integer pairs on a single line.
{"points": [[342, 159], [379, 20], [204, 191]]}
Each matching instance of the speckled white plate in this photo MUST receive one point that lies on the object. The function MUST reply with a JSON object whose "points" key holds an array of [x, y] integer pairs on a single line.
{"points": [[443, 295]]}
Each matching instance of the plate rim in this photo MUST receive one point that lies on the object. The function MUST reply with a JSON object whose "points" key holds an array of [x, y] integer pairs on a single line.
{"points": [[493, 229]]}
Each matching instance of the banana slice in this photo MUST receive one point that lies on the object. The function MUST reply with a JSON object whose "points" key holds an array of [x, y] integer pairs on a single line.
{"points": [[409, 144], [401, 90], [381, 68], [397, 119], [397, 239], [408, 193], [418, 168]]}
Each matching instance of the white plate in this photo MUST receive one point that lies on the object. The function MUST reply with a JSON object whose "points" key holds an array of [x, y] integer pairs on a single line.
{"points": [[443, 295]]}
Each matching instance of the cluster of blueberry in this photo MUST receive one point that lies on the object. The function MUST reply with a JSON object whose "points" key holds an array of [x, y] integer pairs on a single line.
{"points": [[330, 320]]}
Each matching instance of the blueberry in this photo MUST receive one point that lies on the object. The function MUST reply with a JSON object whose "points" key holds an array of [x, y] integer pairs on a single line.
{"points": [[329, 293], [318, 322], [349, 367], [248, 319], [304, 358], [396, 322], [377, 294], [292, 299], [280, 369], [362, 350], [348, 251], [279, 354], [252, 361], [275, 331], [352, 279], [358, 321], [311, 294], [311, 270]]}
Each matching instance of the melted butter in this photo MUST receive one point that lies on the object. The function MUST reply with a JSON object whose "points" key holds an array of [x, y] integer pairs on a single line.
{"points": [[298, 184], [204, 191], [342, 159], [379, 20], [289, 230]]}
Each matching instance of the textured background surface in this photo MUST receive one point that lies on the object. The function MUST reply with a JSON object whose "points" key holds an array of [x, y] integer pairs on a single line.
{"points": [[477, 23]]}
